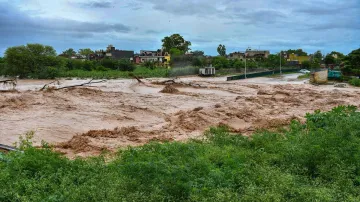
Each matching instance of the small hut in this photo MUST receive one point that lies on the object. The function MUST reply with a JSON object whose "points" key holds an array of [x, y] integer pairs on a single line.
{"points": [[207, 71]]}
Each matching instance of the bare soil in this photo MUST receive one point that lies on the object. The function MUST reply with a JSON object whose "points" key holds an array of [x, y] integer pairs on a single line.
{"points": [[86, 121]]}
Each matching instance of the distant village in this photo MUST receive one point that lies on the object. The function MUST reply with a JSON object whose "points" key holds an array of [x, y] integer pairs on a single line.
{"points": [[161, 57]]}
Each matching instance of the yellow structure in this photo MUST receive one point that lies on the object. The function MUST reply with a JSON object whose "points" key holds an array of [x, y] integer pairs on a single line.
{"points": [[301, 59], [167, 59]]}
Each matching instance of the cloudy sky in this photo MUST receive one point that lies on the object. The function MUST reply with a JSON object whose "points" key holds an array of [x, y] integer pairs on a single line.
{"points": [[275, 25]]}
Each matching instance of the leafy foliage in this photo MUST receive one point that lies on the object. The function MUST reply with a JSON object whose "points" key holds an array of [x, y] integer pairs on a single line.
{"points": [[318, 55], [176, 41], [85, 52], [31, 59], [316, 161], [329, 59], [352, 63], [306, 64], [355, 82], [69, 53], [221, 49], [298, 52]]}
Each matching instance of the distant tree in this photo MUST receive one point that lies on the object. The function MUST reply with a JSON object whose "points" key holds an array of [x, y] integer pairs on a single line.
{"points": [[329, 59], [352, 63], [198, 53], [109, 63], [2, 60], [298, 52], [318, 55], [306, 64], [32, 60], [175, 41], [69, 52], [198, 62], [220, 62], [339, 57], [221, 50], [176, 52], [85, 52], [315, 63], [125, 65]]}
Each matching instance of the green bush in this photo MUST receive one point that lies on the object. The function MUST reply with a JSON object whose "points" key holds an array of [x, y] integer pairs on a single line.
{"points": [[355, 82], [150, 65], [183, 71], [109, 63], [45, 73], [113, 74], [125, 65], [304, 76], [315, 161], [101, 68], [220, 62]]}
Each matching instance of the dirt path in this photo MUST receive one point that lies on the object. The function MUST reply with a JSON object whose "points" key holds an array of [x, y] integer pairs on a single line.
{"points": [[86, 121]]}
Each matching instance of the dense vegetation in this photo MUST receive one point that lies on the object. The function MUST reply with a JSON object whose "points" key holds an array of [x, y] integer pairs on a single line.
{"points": [[39, 61], [355, 82], [352, 63], [317, 161]]}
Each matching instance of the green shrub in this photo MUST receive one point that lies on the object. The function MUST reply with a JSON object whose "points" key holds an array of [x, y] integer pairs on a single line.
{"points": [[45, 73], [101, 68], [183, 71], [355, 82], [150, 65], [304, 76], [125, 65], [315, 161]]}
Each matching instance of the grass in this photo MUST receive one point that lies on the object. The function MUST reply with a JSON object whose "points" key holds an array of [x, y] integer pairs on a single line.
{"points": [[183, 71], [355, 82], [114, 74], [304, 76], [316, 161]]}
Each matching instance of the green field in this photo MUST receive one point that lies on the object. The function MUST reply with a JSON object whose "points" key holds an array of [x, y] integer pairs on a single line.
{"points": [[316, 161]]}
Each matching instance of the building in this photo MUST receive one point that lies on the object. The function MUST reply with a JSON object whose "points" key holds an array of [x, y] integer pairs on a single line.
{"points": [[153, 56], [116, 54], [249, 54], [295, 59], [237, 55], [253, 53]]}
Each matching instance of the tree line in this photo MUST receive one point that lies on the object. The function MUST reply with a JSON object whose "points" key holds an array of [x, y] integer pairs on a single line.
{"points": [[41, 61]]}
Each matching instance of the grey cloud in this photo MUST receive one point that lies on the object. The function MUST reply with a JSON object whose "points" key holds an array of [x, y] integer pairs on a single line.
{"points": [[326, 8], [97, 4], [179, 7], [15, 21]]}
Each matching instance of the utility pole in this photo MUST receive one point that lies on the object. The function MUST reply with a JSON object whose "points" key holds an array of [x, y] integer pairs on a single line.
{"points": [[245, 65], [280, 62]]}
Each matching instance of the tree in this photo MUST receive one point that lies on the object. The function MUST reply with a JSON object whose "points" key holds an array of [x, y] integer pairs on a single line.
{"points": [[31, 60], [329, 59], [198, 53], [306, 64], [352, 63], [220, 62], [318, 55], [315, 63], [298, 52], [85, 52], [176, 52], [339, 57], [69, 52], [199, 62], [175, 41], [221, 50]]}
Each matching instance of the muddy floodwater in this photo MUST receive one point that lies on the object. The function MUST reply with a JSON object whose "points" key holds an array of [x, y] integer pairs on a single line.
{"points": [[84, 121]]}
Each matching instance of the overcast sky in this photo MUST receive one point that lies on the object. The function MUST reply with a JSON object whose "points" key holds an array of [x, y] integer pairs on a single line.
{"points": [[274, 25]]}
